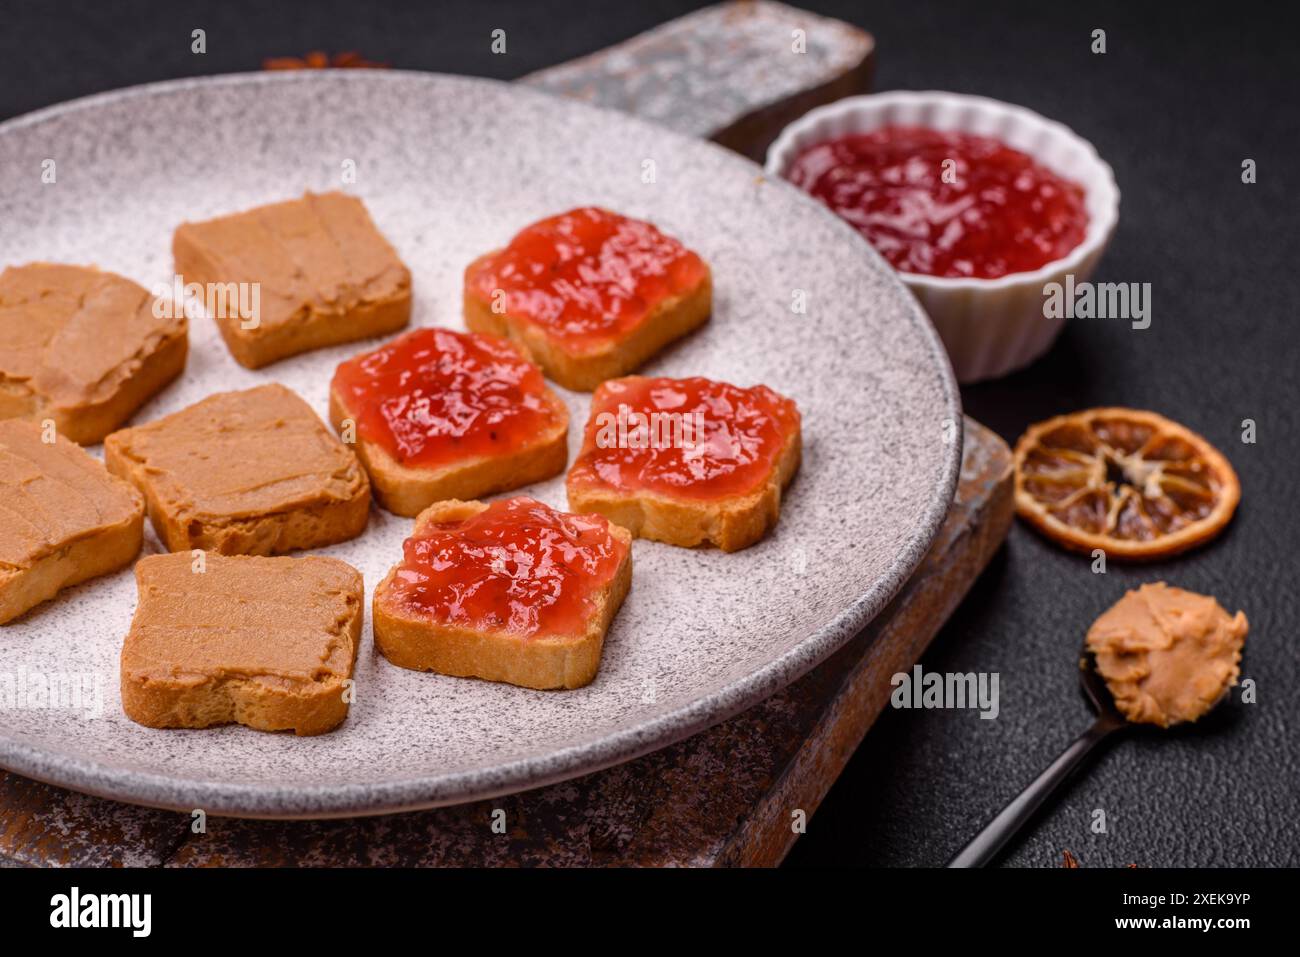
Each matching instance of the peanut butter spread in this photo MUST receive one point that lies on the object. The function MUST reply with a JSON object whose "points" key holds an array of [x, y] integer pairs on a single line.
{"points": [[241, 455], [70, 336], [1167, 655], [283, 621], [318, 255], [52, 494]]}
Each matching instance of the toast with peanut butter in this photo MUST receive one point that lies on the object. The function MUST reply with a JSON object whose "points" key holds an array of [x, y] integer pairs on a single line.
{"points": [[63, 518], [83, 348], [269, 643], [244, 473], [305, 274]]}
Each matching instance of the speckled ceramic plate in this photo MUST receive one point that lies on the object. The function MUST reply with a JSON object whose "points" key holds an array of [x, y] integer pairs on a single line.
{"points": [[451, 167]]}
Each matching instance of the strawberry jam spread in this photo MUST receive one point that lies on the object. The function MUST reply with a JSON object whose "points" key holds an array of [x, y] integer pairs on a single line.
{"points": [[946, 204], [587, 275], [517, 566], [434, 396], [687, 438]]}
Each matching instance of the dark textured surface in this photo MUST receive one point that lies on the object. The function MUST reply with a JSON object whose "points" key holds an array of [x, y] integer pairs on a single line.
{"points": [[1175, 105], [1183, 95]]}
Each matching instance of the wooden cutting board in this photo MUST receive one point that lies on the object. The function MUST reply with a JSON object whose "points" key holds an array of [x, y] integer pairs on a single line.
{"points": [[735, 794]]}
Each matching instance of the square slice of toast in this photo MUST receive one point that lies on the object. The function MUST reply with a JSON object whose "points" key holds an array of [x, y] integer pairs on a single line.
{"points": [[83, 348], [294, 276], [687, 461], [63, 518], [265, 642], [244, 473], [589, 295], [513, 591], [437, 415]]}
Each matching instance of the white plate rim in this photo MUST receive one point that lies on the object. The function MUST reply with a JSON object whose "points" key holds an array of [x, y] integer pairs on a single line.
{"points": [[108, 780]]}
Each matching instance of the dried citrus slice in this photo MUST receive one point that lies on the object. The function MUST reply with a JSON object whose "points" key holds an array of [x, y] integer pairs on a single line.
{"points": [[1131, 483]]}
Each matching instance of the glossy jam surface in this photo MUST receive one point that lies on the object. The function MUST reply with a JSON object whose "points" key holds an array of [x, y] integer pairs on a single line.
{"points": [[434, 396], [688, 438], [586, 275], [991, 211], [518, 566]]}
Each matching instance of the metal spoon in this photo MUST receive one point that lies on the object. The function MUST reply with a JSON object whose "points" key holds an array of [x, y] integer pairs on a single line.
{"points": [[1013, 817]]}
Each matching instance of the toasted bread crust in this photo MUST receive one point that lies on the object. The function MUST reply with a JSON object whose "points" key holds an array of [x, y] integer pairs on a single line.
{"points": [[107, 550], [406, 490], [367, 321], [188, 700], [331, 519], [582, 371], [87, 558], [271, 534], [76, 552], [558, 661], [731, 523], [102, 406], [311, 327], [252, 702], [89, 424]]}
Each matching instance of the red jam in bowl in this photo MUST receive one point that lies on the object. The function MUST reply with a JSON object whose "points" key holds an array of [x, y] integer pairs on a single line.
{"points": [[518, 566], [688, 438], [586, 276], [434, 396], [946, 204]]}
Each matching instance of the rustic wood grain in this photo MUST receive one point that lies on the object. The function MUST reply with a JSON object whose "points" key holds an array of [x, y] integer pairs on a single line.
{"points": [[975, 528], [731, 72], [724, 796], [44, 825]]}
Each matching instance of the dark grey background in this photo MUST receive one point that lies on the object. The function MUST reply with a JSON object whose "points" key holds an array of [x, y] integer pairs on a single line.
{"points": [[1182, 96]]}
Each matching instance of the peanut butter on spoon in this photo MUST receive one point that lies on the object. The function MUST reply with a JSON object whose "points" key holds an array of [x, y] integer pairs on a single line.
{"points": [[1167, 655]]}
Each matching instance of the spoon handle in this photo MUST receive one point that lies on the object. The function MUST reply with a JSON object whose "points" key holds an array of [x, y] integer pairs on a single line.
{"points": [[1002, 828]]}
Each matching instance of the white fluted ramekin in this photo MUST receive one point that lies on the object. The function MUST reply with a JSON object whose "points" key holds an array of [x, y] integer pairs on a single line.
{"points": [[989, 326]]}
